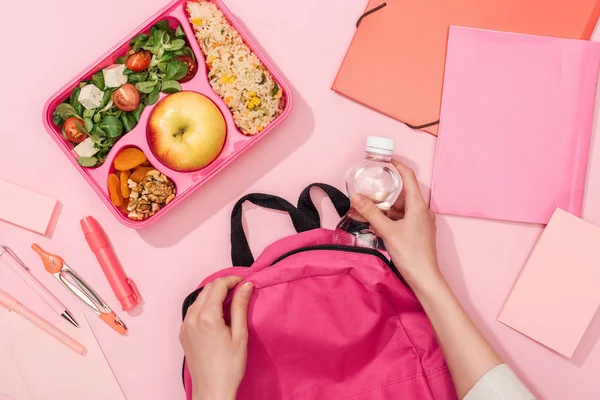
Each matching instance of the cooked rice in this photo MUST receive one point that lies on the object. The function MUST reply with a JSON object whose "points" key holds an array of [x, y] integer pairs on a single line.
{"points": [[235, 72]]}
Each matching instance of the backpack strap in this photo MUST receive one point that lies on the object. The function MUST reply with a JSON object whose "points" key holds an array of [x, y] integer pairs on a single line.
{"points": [[305, 217], [241, 256], [338, 198]]}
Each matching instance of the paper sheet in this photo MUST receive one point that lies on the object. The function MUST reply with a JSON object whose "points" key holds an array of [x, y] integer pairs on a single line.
{"points": [[12, 384], [53, 371], [517, 115], [556, 294]]}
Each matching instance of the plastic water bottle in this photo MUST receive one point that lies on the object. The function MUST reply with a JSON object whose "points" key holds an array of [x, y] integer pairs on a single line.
{"points": [[376, 178]]}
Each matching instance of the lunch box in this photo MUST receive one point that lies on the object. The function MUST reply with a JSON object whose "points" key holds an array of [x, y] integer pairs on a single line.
{"points": [[236, 142]]}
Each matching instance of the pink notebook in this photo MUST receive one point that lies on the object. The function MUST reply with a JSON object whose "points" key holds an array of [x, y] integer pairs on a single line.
{"points": [[558, 290], [517, 113]]}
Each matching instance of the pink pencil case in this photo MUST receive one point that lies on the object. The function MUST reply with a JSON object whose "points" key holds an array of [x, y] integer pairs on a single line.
{"points": [[236, 142]]}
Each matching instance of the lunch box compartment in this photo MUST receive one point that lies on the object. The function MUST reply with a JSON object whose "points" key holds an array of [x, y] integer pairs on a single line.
{"points": [[236, 143]]}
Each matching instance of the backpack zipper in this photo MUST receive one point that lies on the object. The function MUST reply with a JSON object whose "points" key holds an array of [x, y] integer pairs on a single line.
{"points": [[348, 249]]}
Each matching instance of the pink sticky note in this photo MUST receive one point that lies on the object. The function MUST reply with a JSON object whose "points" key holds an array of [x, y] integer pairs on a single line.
{"points": [[26, 208], [53, 371], [557, 292], [516, 121]]}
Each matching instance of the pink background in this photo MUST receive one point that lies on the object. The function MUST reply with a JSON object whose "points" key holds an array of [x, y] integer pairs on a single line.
{"points": [[47, 43]]}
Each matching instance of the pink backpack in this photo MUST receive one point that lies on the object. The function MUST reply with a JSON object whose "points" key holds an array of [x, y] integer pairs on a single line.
{"points": [[329, 322]]}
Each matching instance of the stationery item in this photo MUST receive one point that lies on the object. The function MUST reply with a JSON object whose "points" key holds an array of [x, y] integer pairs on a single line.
{"points": [[26, 208], [395, 63], [556, 294], [516, 124], [61, 271], [9, 302], [53, 373], [11, 381], [14, 262], [124, 287]]}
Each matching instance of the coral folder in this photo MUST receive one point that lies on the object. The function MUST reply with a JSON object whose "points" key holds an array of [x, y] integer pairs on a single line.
{"points": [[556, 294], [395, 63], [517, 119]]}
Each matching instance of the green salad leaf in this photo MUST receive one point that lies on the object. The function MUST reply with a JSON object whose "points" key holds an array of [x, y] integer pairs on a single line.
{"points": [[152, 97], [176, 70], [89, 125], [111, 125], [171, 87], [137, 113], [121, 60], [146, 87], [162, 25], [179, 33], [139, 41], [65, 110], [106, 98], [137, 77], [87, 161], [56, 119], [128, 121], [177, 44], [74, 100], [98, 80], [88, 113]]}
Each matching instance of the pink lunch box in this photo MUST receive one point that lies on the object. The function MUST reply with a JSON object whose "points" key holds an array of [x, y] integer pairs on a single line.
{"points": [[186, 182]]}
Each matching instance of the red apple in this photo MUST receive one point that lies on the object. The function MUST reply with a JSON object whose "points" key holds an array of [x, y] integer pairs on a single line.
{"points": [[186, 131]]}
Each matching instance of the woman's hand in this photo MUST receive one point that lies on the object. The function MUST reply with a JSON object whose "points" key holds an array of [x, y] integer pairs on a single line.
{"points": [[408, 230], [215, 353]]}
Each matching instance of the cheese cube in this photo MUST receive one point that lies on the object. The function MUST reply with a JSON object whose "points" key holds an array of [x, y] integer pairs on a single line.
{"points": [[86, 148], [90, 96], [114, 75]]}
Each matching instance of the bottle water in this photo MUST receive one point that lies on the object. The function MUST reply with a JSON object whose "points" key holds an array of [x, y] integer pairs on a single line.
{"points": [[376, 178]]}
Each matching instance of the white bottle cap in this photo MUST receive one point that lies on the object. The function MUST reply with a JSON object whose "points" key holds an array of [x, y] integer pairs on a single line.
{"points": [[380, 145]]}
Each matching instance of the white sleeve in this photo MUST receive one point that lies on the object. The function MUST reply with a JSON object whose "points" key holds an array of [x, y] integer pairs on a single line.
{"points": [[499, 383]]}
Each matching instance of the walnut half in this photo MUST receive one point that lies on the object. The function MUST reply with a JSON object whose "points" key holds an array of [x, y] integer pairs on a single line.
{"points": [[150, 195]]}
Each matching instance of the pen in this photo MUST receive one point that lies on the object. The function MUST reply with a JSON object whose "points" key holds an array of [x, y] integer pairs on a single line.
{"points": [[13, 305], [14, 262]]}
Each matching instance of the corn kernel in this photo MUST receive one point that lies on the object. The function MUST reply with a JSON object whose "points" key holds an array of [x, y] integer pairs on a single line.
{"points": [[228, 99], [251, 105], [251, 94], [232, 79], [260, 128], [255, 100], [211, 58], [224, 79], [197, 21]]}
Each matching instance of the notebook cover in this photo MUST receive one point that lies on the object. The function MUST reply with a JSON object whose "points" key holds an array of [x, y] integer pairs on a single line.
{"points": [[556, 294], [395, 63], [76, 377], [517, 118]]}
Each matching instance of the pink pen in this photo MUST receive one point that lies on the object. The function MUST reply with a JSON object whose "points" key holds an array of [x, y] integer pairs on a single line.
{"points": [[124, 288], [9, 302], [14, 262]]}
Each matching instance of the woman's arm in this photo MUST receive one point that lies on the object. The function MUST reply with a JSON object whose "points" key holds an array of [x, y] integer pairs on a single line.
{"points": [[408, 231]]}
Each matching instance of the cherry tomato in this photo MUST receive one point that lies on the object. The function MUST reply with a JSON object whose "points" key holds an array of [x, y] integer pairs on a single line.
{"points": [[139, 61], [72, 131], [126, 98], [191, 65]]}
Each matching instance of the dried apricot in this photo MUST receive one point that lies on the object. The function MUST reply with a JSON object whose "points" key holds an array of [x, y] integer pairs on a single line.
{"points": [[129, 159], [139, 174], [124, 206], [146, 164], [114, 189], [124, 186]]}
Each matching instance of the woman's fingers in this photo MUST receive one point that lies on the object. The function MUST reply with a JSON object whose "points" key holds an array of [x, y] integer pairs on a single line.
{"points": [[239, 313], [217, 292], [412, 191], [371, 213]]}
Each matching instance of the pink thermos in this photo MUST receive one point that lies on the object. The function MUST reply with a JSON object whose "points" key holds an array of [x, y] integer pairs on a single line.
{"points": [[124, 288]]}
